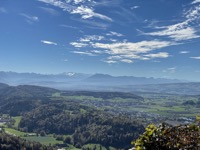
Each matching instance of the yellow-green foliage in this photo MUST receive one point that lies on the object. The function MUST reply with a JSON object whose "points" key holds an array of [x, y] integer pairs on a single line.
{"points": [[198, 119], [145, 138], [169, 138]]}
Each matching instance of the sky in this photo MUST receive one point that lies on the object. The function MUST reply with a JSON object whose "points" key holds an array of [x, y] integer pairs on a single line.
{"points": [[144, 38]]}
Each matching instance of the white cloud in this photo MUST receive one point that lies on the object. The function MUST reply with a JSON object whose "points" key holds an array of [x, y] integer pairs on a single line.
{"points": [[126, 61], [110, 61], [129, 57], [123, 51], [156, 61], [78, 1], [196, 1], [48, 42], [133, 48], [78, 45], [118, 58], [81, 1], [135, 7], [29, 18], [113, 40], [184, 52], [84, 11], [50, 10], [176, 32], [87, 12], [170, 70], [89, 38], [65, 60], [193, 13], [183, 30], [60, 4], [94, 24], [67, 26], [111, 33], [84, 53], [98, 51], [198, 57], [158, 55]]}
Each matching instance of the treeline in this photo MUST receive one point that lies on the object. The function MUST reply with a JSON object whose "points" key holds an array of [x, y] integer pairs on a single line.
{"points": [[28, 91], [86, 125], [9, 142], [16, 106], [103, 95], [193, 103]]}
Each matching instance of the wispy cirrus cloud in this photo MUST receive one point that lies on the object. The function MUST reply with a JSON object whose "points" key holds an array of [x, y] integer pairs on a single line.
{"points": [[197, 57], [29, 18], [158, 55], [111, 33], [48, 42], [170, 70], [196, 1], [123, 51], [135, 7], [184, 52], [68, 26], [78, 44], [50, 11], [110, 61], [130, 47], [180, 31], [89, 38], [85, 11], [60, 4], [84, 53], [177, 33], [127, 61], [119, 49]]}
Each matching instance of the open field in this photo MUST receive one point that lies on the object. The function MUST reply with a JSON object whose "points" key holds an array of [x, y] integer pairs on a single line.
{"points": [[46, 140], [17, 120], [15, 132]]}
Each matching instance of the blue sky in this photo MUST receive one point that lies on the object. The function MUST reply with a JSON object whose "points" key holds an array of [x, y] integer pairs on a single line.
{"points": [[151, 38]]}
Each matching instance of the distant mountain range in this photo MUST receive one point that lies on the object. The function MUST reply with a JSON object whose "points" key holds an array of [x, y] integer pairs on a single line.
{"points": [[100, 82], [14, 78]]}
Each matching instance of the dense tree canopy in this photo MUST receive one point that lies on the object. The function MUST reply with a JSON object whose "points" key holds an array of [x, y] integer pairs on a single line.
{"points": [[86, 125]]}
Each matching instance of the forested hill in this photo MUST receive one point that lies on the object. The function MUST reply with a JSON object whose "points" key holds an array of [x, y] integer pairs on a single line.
{"points": [[43, 113], [25, 91], [84, 124], [2, 86], [103, 95]]}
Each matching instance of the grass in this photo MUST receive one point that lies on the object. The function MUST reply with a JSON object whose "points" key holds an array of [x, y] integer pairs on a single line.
{"points": [[46, 140], [17, 120], [15, 132], [71, 147], [92, 146], [57, 94]]}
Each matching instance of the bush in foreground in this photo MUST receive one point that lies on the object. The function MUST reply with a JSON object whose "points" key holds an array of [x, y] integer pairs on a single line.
{"points": [[166, 137]]}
